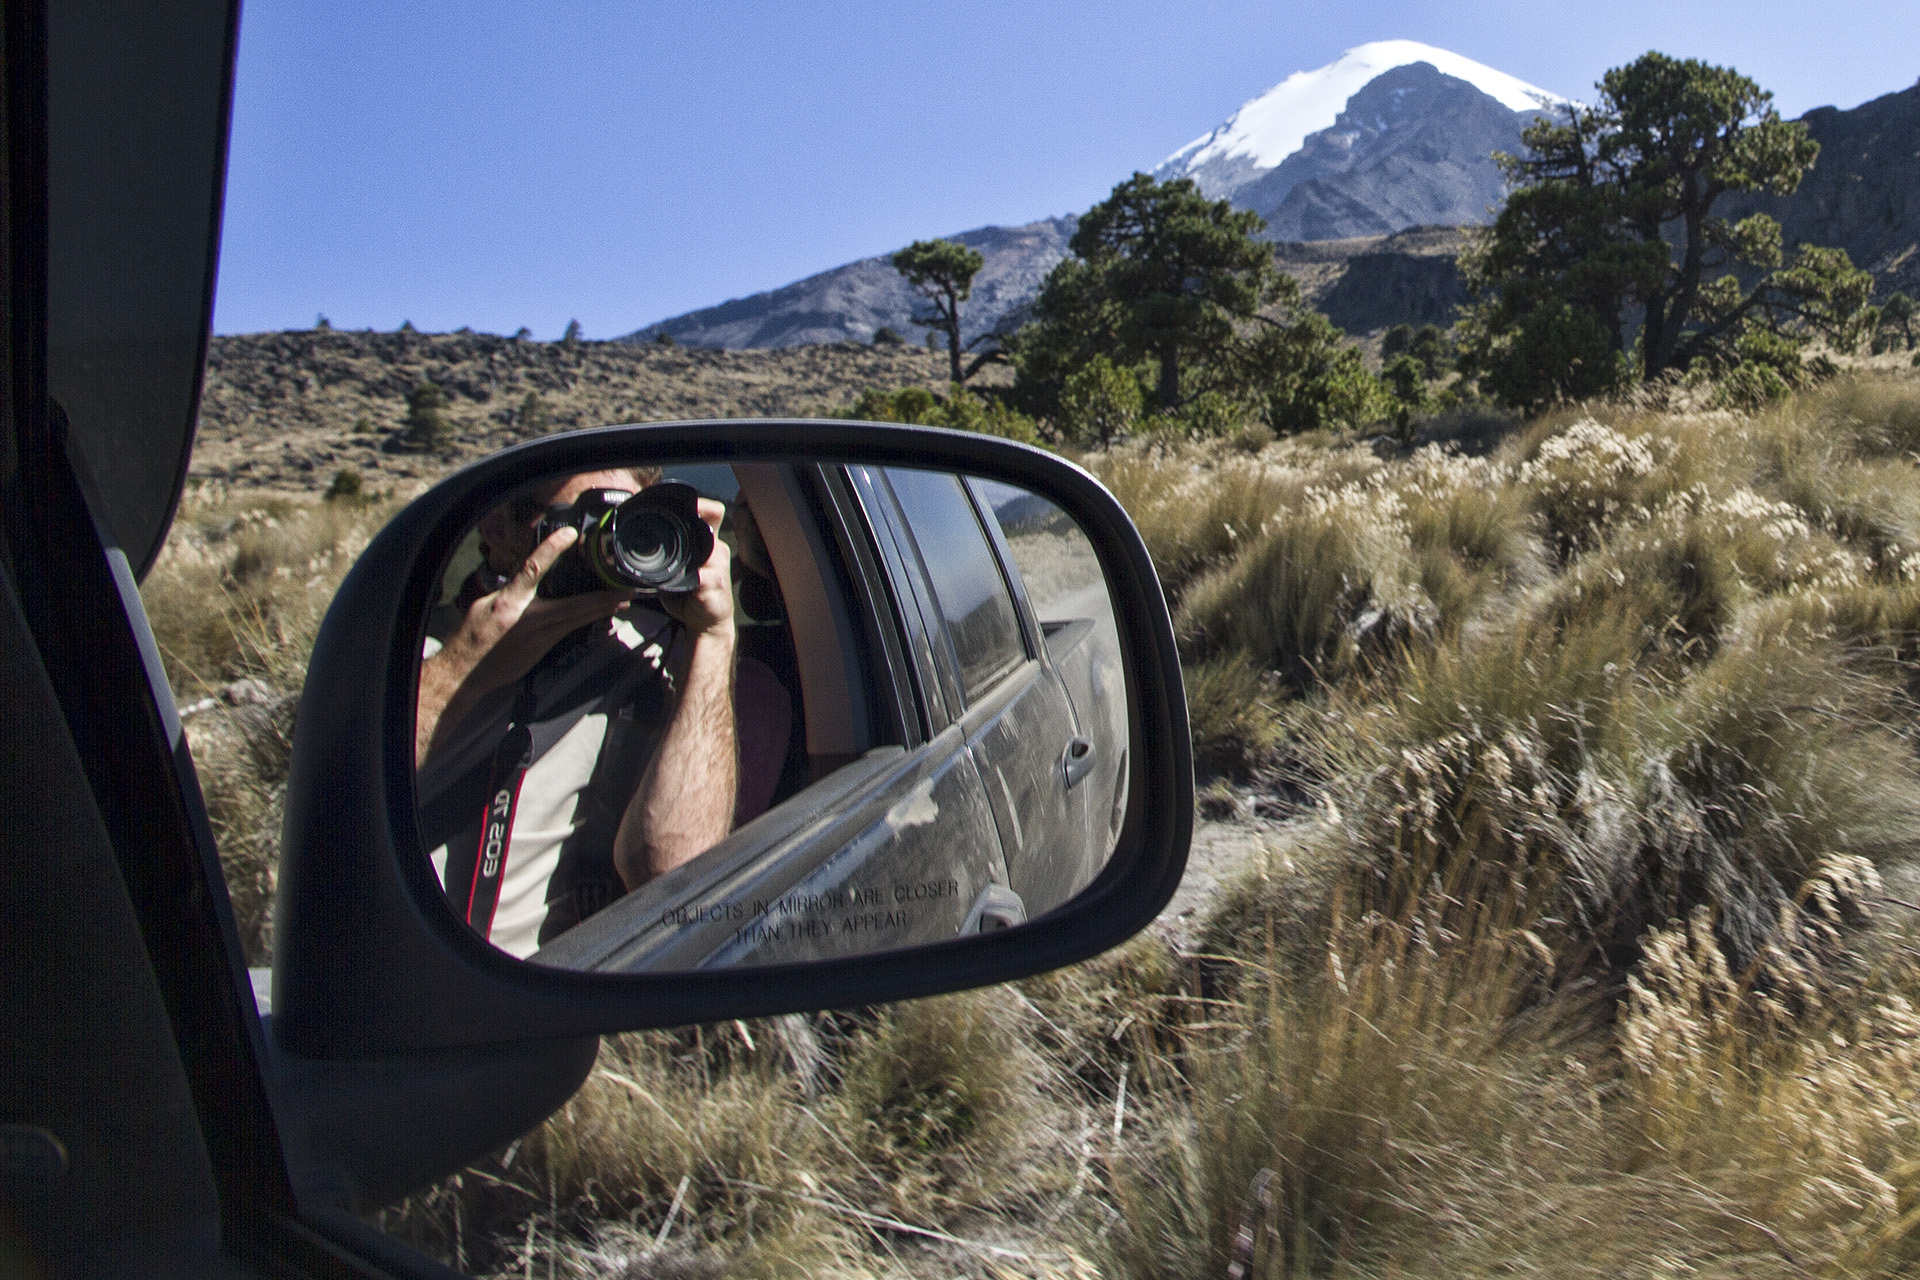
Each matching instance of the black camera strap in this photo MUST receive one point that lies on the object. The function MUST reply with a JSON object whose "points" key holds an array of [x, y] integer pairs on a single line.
{"points": [[511, 760], [481, 860]]}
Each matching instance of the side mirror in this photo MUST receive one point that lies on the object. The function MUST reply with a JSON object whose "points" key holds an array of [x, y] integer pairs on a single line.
{"points": [[534, 796]]}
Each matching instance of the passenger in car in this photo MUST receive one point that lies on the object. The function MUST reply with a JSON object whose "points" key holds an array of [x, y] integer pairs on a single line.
{"points": [[572, 747]]}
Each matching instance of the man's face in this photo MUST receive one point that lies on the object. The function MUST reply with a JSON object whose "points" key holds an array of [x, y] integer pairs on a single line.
{"points": [[508, 529]]}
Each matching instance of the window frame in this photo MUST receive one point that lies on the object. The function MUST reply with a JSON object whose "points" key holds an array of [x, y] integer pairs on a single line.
{"points": [[927, 595]]}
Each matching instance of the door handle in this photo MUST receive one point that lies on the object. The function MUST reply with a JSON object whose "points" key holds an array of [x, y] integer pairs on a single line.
{"points": [[997, 907], [1077, 760]]}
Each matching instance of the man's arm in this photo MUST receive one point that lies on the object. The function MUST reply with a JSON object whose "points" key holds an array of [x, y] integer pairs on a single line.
{"points": [[503, 635], [683, 805]]}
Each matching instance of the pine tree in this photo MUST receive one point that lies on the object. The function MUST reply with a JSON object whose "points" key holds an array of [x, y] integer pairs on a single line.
{"points": [[1100, 403], [941, 272], [531, 417], [1161, 277], [1430, 347], [1607, 261], [1158, 272], [1897, 316]]}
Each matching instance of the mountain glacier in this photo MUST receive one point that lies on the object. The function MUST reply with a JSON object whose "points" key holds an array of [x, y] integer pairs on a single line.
{"points": [[1269, 128]]}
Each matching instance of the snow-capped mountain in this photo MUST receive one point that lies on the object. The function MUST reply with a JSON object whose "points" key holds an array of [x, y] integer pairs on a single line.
{"points": [[1391, 135], [1271, 127]]}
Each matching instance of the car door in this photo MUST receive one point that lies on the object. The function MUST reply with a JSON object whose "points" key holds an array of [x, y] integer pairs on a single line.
{"points": [[1020, 725], [1066, 604]]}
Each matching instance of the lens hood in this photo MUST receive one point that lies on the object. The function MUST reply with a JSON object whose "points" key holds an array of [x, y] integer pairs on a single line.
{"points": [[656, 540]]}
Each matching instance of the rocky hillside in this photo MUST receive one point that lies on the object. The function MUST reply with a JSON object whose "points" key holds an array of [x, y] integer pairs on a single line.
{"points": [[289, 410], [1370, 283], [850, 303], [1864, 191]]}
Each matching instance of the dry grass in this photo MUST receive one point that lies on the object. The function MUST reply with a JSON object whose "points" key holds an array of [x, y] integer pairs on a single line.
{"points": [[286, 411], [235, 599], [1588, 955]]}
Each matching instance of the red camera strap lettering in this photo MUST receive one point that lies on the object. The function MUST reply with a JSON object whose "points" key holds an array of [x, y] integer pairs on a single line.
{"points": [[511, 760]]}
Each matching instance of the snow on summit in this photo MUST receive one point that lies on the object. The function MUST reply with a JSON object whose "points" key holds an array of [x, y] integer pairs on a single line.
{"points": [[1271, 127]]}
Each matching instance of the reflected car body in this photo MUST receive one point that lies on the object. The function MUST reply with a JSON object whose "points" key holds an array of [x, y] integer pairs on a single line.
{"points": [[969, 743]]}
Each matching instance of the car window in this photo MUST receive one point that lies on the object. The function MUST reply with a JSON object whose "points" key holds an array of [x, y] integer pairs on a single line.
{"points": [[1051, 554], [971, 592]]}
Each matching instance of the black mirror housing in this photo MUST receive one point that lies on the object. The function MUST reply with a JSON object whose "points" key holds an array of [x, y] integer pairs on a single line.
{"points": [[371, 964]]}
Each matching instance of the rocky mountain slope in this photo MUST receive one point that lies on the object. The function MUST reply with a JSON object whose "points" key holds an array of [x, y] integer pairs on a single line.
{"points": [[1391, 138], [288, 410], [1370, 283], [1864, 191], [1413, 148], [850, 303]]}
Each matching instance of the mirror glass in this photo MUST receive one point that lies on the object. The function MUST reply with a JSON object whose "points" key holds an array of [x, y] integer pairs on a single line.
{"points": [[711, 714]]}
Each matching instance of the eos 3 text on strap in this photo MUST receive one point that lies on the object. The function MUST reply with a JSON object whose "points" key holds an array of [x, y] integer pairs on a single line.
{"points": [[511, 761]]}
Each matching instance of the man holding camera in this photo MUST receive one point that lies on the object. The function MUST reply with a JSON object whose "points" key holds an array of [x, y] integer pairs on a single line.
{"points": [[597, 748]]}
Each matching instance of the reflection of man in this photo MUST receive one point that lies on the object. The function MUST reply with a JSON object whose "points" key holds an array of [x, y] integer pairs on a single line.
{"points": [[572, 748]]}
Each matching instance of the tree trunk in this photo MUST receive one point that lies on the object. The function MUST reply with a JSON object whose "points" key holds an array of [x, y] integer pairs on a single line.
{"points": [[953, 338], [1169, 391]]}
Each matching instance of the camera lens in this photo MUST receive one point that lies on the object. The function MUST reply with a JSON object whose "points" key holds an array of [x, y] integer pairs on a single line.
{"points": [[658, 540], [651, 547]]}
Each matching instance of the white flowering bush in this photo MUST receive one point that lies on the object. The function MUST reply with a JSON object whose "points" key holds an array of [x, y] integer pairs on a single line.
{"points": [[1582, 477]]}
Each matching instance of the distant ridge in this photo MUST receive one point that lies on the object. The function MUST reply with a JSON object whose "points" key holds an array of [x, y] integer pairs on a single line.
{"points": [[851, 303]]}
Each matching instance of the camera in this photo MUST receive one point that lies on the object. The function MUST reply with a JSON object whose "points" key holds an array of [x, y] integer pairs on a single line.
{"points": [[652, 541]]}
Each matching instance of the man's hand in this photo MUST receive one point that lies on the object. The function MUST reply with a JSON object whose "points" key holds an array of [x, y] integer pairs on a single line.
{"points": [[709, 606], [503, 635]]}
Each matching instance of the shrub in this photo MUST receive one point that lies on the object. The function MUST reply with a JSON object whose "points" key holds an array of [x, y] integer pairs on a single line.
{"points": [[1769, 761], [1323, 1101], [1193, 516], [961, 410], [426, 426], [1581, 477], [345, 486], [1231, 712], [1211, 416], [1100, 403], [1319, 588], [941, 1098]]}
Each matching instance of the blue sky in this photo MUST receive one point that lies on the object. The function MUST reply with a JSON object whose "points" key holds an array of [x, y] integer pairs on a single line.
{"points": [[501, 164]]}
